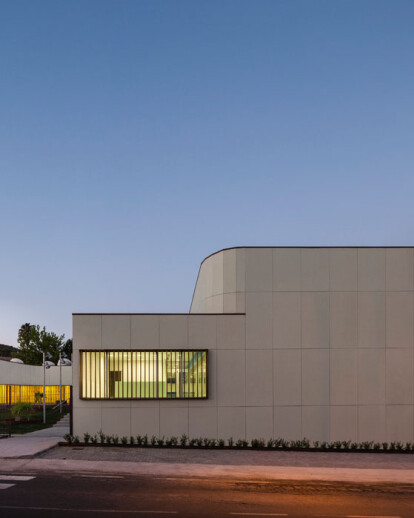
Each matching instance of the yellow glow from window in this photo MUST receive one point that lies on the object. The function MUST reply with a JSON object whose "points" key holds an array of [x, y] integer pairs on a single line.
{"points": [[143, 374], [33, 394]]}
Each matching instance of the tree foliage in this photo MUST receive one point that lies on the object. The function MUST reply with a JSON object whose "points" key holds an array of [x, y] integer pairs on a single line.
{"points": [[67, 348], [7, 350], [34, 341]]}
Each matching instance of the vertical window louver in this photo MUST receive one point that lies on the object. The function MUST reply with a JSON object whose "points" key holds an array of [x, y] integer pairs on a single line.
{"points": [[166, 374]]}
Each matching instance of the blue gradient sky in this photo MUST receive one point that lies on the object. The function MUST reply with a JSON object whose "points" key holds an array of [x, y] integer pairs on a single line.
{"points": [[137, 137]]}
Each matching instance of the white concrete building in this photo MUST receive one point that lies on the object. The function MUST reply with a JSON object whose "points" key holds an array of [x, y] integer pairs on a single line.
{"points": [[279, 342], [19, 382]]}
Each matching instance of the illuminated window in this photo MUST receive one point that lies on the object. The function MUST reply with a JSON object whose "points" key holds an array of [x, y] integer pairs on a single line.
{"points": [[32, 394], [143, 374]]}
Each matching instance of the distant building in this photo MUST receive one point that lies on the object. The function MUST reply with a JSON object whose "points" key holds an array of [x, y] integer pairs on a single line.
{"points": [[285, 342], [19, 382]]}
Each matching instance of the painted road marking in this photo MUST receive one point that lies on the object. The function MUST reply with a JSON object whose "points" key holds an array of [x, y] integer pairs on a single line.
{"points": [[101, 476], [259, 514], [60, 509], [14, 478], [23, 478], [6, 486]]}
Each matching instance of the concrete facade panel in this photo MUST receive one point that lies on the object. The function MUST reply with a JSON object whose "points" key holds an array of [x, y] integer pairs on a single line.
{"points": [[229, 271], [315, 377], [399, 376], [230, 303], [371, 423], [88, 420], [343, 319], [259, 325], [288, 422], [234, 303], [371, 269], [343, 376], [203, 422], [231, 422], [87, 333], [173, 331], [116, 420], [216, 262], [214, 304], [399, 269], [259, 378], [259, 422], [286, 320], [286, 269], [259, 266], [287, 377], [400, 423], [371, 376], [315, 423], [344, 269], [116, 331], [241, 269], [231, 378], [231, 332], [173, 421], [145, 331], [315, 319], [202, 332], [343, 423], [371, 319], [145, 421], [315, 269], [400, 319]]}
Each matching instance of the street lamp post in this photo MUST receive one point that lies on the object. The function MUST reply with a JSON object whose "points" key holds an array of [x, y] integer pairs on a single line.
{"points": [[46, 365], [60, 382], [62, 362], [44, 388]]}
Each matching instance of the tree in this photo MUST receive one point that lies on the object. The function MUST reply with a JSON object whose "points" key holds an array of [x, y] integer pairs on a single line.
{"points": [[67, 348], [33, 342]]}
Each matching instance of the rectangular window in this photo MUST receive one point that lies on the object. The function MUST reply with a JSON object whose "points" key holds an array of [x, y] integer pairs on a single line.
{"points": [[143, 374], [33, 394]]}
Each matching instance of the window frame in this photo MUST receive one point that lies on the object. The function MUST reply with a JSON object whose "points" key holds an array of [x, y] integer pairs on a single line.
{"points": [[155, 398]]}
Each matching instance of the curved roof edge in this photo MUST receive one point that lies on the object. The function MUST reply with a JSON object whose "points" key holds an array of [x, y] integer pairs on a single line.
{"points": [[155, 314], [288, 246], [304, 246]]}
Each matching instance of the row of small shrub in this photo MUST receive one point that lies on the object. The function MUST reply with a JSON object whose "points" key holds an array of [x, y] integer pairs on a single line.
{"points": [[271, 444]]}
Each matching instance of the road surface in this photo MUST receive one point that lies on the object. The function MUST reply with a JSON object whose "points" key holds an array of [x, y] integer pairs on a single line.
{"points": [[80, 495]]}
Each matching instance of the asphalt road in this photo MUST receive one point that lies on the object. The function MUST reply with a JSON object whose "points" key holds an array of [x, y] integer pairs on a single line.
{"points": [[84, 495]]}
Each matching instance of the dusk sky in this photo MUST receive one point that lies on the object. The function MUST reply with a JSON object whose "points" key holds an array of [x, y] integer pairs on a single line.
{"points": [[138, 137]]}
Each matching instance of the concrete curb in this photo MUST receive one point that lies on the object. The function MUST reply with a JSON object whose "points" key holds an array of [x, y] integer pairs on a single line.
{"points": [[396, 476]]}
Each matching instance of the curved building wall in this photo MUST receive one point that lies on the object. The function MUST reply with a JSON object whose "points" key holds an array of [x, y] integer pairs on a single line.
{"points": [[19, 374], [323, 349], [220, 283], [27, 380]]}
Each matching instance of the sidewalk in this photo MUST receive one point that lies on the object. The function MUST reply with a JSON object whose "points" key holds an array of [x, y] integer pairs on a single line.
{"points": [[24, 455], [31, 444]]}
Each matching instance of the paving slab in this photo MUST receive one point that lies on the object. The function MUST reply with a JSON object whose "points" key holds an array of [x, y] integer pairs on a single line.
{"points": [[31, 444], [235, 457], [21, 447], [57, 431]]}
